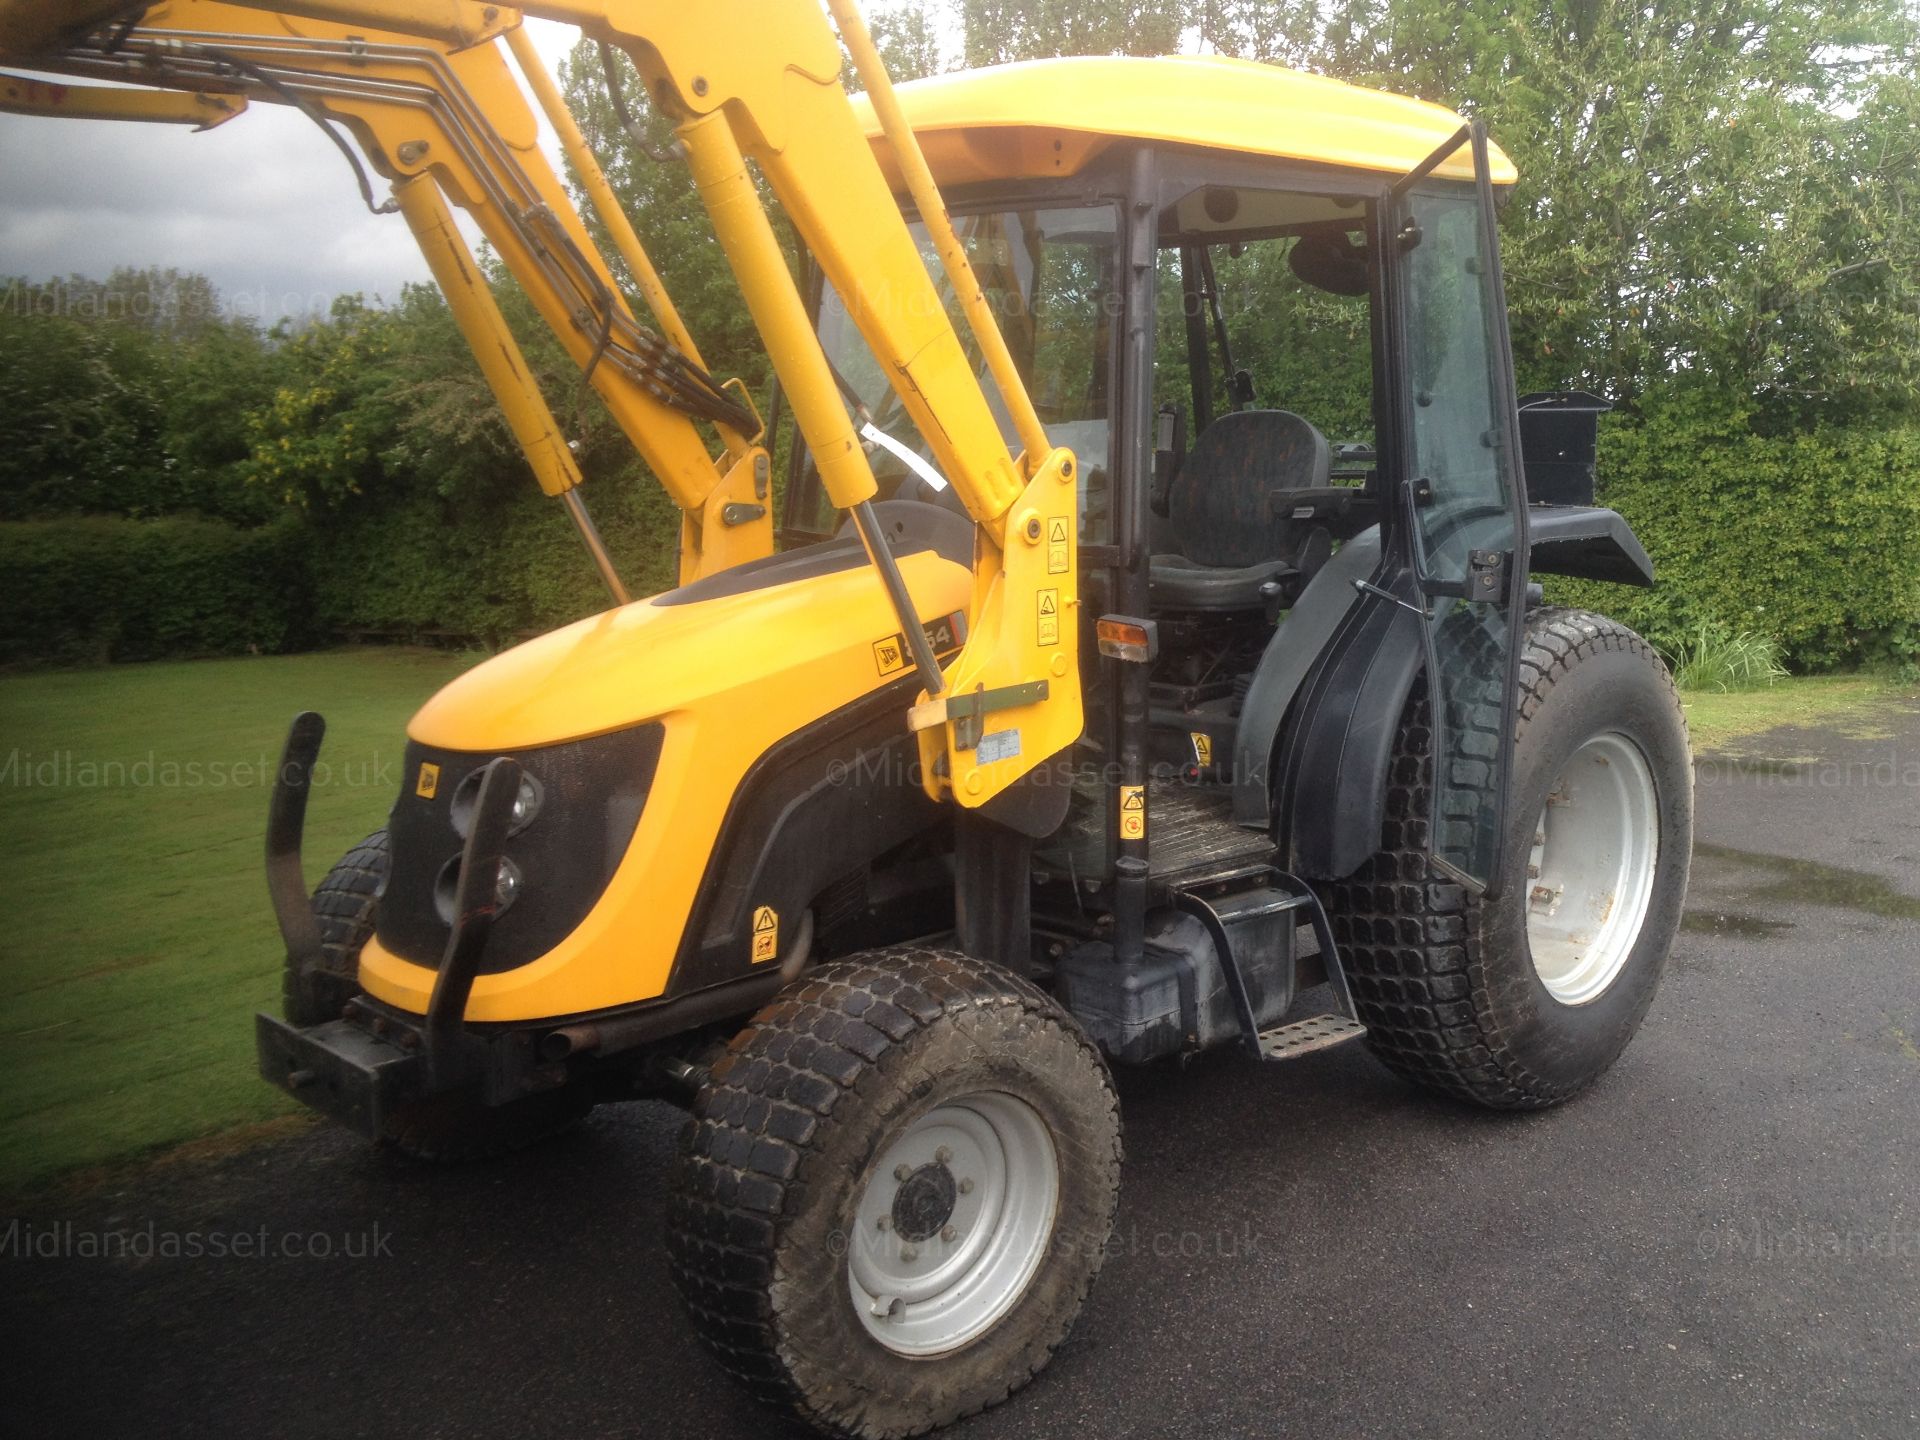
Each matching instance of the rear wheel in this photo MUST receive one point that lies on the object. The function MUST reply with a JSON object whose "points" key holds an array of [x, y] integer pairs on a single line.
{"points": [[895, 1192], [449, 1127], [1523, 1001]]}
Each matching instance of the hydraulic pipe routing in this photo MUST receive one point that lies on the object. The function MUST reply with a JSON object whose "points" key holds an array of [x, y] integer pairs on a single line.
{"points": [[573, 144]]}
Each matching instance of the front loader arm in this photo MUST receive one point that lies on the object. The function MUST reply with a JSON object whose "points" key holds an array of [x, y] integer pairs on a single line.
{"points": [[436, 115], [758, 82]]}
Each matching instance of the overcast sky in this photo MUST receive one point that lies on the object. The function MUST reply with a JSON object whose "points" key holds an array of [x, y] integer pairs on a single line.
{"points": [[264, 205]]}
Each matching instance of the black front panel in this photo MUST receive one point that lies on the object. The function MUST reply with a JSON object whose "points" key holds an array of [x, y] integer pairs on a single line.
{"points": [[590, 796]]}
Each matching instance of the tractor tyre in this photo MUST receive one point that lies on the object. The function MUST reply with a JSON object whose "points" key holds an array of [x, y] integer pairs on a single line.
{"points": [[1523, 1001], [343, 909], [441, 1128], [895, 1192]]}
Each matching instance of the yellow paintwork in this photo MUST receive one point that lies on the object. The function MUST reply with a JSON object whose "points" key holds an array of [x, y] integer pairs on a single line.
{"points": [[1033, 581], [757, 83], [203, 109], [729, 677], [1050, 117]]}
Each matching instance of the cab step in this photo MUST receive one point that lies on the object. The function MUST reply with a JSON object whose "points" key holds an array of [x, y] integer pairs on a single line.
{"points": [[1228, 905], [1303, 1037]]}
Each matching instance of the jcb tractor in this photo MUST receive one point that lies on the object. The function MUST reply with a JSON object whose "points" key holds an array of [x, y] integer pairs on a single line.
{"points": [[1106, 703]]}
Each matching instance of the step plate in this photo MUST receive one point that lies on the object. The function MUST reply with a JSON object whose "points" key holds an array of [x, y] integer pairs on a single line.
{"points": [[1303, 1037]]}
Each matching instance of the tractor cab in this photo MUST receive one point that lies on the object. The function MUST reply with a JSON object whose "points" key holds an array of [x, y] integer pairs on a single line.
{"points": [[1277, 345]]}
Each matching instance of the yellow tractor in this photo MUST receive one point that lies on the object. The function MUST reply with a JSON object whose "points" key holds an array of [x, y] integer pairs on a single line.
{"points": [[1100, 706]]}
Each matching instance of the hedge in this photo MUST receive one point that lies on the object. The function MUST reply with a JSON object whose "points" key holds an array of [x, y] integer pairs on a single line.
{"points": [[489, 568], [99, 588], [1811, 538]]}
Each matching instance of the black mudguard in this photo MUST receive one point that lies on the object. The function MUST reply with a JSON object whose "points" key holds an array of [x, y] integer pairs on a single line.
{"points": [[1586, 541], [1316, 729]]}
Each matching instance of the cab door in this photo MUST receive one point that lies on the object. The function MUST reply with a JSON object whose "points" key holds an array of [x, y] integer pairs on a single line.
{"points": [[1464, 500]]}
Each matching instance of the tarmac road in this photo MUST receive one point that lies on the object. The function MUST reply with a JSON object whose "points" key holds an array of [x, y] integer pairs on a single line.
{"points": [[1721, 1239]]}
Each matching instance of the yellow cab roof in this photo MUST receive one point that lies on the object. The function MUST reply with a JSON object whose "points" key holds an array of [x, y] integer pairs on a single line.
{"points": [[1042, 118]]}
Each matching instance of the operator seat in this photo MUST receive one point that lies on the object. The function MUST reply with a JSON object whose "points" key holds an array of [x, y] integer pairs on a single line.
{"points": [[1234, 511]]}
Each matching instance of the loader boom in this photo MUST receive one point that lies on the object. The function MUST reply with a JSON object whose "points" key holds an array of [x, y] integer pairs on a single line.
{"points": [[424, 88]]}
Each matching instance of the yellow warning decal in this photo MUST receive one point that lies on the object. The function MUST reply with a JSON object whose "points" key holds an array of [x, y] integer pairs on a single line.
{"points": [[1049, 617], [1133, 812], [1057, 545], [1202, 748], [889, 655], [429, 781], [766, 935]]}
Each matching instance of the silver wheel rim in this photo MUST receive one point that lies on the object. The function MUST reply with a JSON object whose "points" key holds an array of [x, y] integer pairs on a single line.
{"points": [[1590, 874], [953, 1223]]}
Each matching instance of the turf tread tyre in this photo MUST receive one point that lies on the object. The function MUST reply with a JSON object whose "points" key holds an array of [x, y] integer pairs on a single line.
{"points": [[1444, 1006], [343, 909], [781, 1138]]}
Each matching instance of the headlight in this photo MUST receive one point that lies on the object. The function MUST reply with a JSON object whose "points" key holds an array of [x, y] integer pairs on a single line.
{"points": [[526, 804]]}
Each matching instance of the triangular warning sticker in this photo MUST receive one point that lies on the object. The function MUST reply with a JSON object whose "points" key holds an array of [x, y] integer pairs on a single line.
{"points": [[1057, 530], [1135, 799], [764, 919], [1048, 605]]}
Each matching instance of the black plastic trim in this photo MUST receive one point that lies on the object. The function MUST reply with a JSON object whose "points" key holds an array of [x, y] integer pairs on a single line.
{"points": [[817, 806], [1589, 542]]}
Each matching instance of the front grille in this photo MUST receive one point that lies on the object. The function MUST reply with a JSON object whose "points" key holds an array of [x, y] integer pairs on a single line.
{"points": [[592, 794]]}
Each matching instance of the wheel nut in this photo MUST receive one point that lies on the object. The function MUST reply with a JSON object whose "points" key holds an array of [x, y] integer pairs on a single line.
{"points": [[966, 1187], [903, 1173], [881, 1223], [949, 1234], [909, 1252], [943, 1155]]}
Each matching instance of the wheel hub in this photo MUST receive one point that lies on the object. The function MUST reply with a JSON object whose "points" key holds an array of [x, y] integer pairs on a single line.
{"points": [[924, 1203], [1590, 873], [952, 1224]]}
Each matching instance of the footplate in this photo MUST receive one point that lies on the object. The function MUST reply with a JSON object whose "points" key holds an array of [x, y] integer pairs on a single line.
{"points": [[1303, 1037]]}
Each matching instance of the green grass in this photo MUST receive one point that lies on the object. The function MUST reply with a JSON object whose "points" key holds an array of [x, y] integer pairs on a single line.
{"points": [[1717, 661], [139, 940], [1857, 705]]}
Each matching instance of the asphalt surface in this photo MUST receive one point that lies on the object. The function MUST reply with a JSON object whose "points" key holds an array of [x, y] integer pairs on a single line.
{"points": [[1722, 1238]]}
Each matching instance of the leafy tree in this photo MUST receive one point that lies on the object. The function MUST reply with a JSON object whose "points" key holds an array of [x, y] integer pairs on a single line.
{"points": [[1717, 193]]}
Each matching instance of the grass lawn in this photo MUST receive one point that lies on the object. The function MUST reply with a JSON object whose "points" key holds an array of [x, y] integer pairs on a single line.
{"points": [[132, 811], [1854, 704], [133, 806]]}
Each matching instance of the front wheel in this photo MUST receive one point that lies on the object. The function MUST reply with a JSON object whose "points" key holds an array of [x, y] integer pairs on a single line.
{"points": [[1522, 1001], [895, 1192]]}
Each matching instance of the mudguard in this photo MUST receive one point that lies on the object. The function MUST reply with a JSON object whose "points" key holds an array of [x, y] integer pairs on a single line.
{"points": [[1290, 656], [1337, 674], [1586, 541]]}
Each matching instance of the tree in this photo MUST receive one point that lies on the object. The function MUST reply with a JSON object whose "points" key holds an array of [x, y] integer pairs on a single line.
{"points": [[1717, 192]]}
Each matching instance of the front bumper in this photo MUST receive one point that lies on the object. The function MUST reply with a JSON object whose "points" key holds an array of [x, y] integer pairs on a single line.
{"points": [[359, 1068], [341, 1070]]}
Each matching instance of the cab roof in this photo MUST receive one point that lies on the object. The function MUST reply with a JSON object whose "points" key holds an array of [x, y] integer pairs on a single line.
{"points": [[1040, 118]]}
